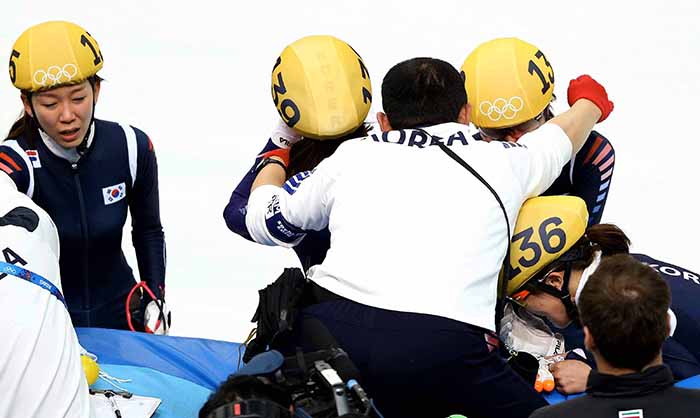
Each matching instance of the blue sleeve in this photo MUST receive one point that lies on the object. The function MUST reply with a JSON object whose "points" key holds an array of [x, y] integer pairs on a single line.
{"points": [[235, 211], [15, 167], [591, 176], [683, 364], [685, 292], [147, 231], [589, 359]]}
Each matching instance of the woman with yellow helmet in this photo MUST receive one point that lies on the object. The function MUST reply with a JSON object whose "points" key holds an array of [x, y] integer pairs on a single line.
{"points": [[553, 254], [85, 172], [322, 91], [510, 84]]}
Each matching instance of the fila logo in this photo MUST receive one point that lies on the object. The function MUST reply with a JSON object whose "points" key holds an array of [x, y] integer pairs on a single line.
{"points": [[113, 194], [632, 413]]}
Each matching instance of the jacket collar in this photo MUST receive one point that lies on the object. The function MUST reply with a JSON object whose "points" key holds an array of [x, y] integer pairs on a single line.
{"points": [[651, 380], [69, 154]]}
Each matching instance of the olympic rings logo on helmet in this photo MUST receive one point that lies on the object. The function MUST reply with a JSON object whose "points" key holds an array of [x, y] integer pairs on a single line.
{"points": [[55, 75], [502, 108]]}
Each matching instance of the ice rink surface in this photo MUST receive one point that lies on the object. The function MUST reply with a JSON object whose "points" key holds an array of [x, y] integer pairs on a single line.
{"points": [[195, 76]]}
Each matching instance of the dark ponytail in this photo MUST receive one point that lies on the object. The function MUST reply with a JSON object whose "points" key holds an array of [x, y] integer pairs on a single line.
{"points": [[24, 126], [307, 153], [606, 238]]}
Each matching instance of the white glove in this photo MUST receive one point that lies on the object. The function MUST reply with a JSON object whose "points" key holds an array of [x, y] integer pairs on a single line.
{"points": [[283, 136], [154, 322]]}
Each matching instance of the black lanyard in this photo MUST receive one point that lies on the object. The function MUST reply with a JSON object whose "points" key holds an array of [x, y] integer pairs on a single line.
{"points": [[506, 262]]}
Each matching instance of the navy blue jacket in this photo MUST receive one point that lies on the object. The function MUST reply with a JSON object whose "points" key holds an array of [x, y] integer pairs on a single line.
{"points": [[311, 250], [681, 352], [589, 177], [88, 201]]}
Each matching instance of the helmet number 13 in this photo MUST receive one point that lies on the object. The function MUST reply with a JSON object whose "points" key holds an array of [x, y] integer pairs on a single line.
{"points": [[533, 69]]}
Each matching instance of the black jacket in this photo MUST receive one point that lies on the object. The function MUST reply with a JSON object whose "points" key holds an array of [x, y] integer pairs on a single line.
{"points": [[649, 394]]}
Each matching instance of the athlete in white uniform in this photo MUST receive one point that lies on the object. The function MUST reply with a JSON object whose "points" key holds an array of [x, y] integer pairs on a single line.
{"points": [[40, 369], [417, 241]]}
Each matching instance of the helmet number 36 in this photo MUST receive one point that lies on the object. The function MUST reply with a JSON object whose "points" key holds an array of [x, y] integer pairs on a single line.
{"points": [[550, 239], [534, 69]]}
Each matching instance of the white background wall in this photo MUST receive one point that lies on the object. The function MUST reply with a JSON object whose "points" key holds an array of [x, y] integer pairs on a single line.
{"points": [[196, 76]]}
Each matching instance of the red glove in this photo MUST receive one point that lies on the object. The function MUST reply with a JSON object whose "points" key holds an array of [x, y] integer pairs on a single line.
{"points": [[282, 153], [584, 87]]}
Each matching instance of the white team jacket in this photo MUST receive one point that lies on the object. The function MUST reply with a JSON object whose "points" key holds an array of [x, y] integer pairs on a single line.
{"points": [[412, 230], [41, 375]]}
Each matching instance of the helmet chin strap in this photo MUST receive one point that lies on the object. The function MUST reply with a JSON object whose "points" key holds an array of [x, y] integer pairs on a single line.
{"points": [[562, 294]]}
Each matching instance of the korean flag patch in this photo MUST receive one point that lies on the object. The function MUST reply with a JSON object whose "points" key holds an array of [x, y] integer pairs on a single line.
{"points": [[33, 156], [113, 194]]}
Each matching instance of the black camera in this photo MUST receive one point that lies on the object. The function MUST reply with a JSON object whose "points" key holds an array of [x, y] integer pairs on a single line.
{"points": [[321, 384]]}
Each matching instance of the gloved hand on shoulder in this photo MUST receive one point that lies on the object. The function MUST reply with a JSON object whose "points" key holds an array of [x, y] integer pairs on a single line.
{"points": [[585, 87]]}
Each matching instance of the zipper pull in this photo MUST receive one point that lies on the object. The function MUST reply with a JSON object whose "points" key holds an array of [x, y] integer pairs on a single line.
{"points": [[74, 166]]}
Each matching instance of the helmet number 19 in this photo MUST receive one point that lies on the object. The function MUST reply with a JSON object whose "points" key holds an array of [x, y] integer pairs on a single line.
{"points": [[552, 240], [86, 42], [13, 66], [533, 68]]}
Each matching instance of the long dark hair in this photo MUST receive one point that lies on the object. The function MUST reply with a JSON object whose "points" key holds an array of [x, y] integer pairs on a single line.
{"points": [[307, 153], [24, 126]]}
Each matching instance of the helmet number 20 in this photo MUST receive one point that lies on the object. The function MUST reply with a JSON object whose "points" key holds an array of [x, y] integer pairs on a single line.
{"points": [[287, 104], [551, 240], [535, 69]]}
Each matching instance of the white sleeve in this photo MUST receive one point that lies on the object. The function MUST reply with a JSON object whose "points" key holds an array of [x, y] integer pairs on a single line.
{"points": [[547, 150], [282, 215]]}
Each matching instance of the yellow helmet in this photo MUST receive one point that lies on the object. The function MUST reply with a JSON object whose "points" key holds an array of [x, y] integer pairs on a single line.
{"points": [[321, 87], [508, 82], [53, 54], [546, 228]]}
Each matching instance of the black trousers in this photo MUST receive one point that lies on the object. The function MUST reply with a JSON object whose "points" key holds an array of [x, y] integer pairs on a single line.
{"points": [[416, 365]]}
